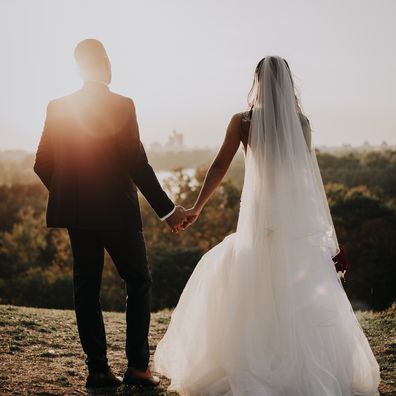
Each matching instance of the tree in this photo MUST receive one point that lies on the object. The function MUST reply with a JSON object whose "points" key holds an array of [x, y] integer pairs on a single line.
{"points": [[367, 229]]}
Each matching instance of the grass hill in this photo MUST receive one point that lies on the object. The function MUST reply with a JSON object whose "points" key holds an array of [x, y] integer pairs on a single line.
{"points": [[40, 352]]}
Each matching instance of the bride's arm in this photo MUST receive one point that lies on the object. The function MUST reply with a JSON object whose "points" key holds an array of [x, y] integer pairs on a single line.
{"points": [[219, 167]]}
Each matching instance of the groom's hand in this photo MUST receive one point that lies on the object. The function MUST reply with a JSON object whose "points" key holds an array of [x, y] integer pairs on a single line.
{"points": [[192, 216], [177, 219]]}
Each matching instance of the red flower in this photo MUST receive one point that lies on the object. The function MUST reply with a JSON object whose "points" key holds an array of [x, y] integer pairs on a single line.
{"points": [[341, 262]]}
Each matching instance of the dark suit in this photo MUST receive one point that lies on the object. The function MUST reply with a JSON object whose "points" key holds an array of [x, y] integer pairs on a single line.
{"points": [[92, 161]]}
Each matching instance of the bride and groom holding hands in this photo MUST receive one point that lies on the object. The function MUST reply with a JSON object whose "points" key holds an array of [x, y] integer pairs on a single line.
{"points": [[264, 312]]}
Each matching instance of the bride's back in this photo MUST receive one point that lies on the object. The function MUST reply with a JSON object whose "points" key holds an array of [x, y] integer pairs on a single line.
{"points": [[246, 118]]}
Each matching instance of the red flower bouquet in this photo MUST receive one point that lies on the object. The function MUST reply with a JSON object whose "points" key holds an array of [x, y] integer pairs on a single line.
{"points": [[341, 262]]}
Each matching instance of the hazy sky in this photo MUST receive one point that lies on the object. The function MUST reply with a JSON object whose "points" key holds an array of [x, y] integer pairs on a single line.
{"points": [[188, 65]]}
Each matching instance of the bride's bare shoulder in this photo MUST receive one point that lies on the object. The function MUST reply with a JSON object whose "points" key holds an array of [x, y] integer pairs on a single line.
{"points": [[240, 120], [237, 117], [244, 122], [243, 116], [239, 125], [234, 131], [234, 125]]}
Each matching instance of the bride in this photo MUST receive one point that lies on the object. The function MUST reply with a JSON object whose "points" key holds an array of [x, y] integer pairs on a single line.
{"points": [[264, 312]]}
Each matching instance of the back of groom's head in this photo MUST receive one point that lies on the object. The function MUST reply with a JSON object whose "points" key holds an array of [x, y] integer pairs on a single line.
{"points": [[93, 61]]}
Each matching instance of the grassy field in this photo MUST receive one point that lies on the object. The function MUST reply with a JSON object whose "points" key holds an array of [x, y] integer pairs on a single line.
{"points": [[40, 352]]}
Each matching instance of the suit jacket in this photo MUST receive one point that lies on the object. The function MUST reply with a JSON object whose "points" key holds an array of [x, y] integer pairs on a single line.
{"points": [[92, 161]]}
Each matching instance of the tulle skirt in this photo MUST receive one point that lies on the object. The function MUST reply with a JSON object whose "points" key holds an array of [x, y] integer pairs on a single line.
{"points": [[270, 320]]}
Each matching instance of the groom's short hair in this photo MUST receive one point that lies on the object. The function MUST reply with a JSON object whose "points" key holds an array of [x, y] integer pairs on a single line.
{"points": [[89, 53]]}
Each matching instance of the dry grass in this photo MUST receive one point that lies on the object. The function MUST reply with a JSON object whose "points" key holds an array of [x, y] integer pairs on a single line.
{"points": [[40, 352]]}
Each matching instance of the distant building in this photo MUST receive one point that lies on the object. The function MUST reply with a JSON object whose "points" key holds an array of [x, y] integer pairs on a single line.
{"points": [[366, 146], [175, 141]]}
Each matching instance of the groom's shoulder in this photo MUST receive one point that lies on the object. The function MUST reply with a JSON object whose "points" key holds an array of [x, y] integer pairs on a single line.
{"points": [[124, 100], [74, 98], [55, 106], [63, 100]]}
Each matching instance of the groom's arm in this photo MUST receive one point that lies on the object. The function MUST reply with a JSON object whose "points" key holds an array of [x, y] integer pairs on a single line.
{"points": [[43, 165], [135, 158]]}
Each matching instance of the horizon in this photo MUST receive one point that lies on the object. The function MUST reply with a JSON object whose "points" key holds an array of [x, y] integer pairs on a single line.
{"points": [[189, 67], [149, 147]]}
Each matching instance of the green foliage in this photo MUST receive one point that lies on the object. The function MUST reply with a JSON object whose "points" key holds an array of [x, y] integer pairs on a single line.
{"points": [[375, 170], [36, 263], [170, 270], [218, 218], [49, 288], [367, 227], [17, 196], [22, 247]]}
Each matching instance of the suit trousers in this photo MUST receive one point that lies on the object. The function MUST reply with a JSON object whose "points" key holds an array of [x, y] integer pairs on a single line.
{"points": [[127, 249]]}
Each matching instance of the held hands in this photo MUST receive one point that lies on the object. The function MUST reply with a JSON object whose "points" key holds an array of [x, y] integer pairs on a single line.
{"points": [[182, 218], [177, 219], [192, 216]]}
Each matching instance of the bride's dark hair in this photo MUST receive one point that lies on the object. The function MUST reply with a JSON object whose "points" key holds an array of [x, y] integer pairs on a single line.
{"points": [[253, 90]]}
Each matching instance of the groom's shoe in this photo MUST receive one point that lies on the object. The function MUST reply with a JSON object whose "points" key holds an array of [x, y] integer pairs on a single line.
{"points": [[142, 378], [103, 379]]}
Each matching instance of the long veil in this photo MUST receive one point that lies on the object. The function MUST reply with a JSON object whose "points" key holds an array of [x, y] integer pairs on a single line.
{"points": [[283, 192], [285, 239]]}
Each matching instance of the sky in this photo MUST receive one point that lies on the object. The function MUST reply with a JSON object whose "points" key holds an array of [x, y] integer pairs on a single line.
{"points": [[188, 64]]}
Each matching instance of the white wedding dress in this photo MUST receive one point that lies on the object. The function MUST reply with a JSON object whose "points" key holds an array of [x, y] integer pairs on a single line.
{"points": [[264, 312]]}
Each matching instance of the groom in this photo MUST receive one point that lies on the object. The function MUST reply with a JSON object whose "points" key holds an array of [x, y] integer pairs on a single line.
{"points": [[92, 161]]}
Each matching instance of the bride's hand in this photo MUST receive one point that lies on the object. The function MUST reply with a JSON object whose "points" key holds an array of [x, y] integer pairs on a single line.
{"points": [[192, 216]]}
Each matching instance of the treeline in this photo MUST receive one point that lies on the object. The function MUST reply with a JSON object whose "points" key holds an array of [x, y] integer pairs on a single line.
{"points": [[36, 265], [16, 166]]}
